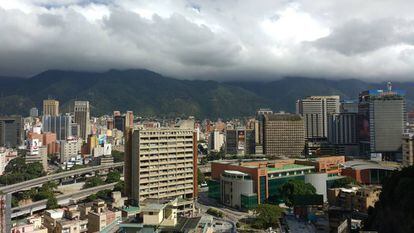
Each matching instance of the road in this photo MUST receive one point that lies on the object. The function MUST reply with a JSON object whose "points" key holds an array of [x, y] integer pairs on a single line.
{"points": [[62, 200], [38, 181]]}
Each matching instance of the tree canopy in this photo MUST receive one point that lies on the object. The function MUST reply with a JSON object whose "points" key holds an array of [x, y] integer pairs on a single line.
{"points": [[394, 211], [267, 215], [18, 171], [294, 188], [93, 182], [113, 176]]}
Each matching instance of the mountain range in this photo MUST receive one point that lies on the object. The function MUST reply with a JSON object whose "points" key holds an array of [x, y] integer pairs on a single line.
{"points": [[150, 94]]}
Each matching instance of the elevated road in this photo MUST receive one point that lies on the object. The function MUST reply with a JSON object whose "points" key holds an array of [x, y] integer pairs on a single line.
{"points": [[62, 200], [38, 181]]}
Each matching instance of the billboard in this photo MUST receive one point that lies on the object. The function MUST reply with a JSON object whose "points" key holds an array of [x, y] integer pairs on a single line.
{"points": [[107, 149], [34, 146], [241, 140]]}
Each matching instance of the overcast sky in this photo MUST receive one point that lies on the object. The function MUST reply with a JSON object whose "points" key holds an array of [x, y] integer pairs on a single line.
{"points": [[365, 39]]}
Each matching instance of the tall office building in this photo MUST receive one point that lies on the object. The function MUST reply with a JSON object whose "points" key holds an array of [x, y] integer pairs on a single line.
{"points": [[258, 129], [382, 118], [50, 107], [11, 131], [60, 125], [162, 164], [240, 141], [119, 123], [315, 111], [342, 128], [82, 118], [283, 135]]}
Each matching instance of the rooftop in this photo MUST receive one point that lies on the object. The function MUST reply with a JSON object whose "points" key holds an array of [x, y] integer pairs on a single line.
{"points": [[288, 167], [369, 164]]}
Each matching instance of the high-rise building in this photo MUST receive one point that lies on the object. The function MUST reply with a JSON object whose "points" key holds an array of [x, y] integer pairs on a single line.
{"points": [[11, 131], [82, 118], [342, 128], [215, 140], [258, 129], [283, 135], [315, 111], [408, 149], [382, 118], [162, 164], [34, 112], [60, 125], [50, 107], [240, 141], [119, 123], [129, 119]]}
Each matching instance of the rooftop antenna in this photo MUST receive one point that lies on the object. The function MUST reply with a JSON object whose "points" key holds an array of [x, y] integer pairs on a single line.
{"points": [[389, 86]]}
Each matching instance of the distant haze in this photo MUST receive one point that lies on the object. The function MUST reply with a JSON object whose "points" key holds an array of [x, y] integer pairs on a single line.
{"points": [[228, 40]]}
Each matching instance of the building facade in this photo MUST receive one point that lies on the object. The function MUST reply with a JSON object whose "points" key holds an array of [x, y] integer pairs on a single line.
{"points": [[51, 107], [240, 141], [283, 135], [11, 131], [315, 111], [82, 118], [162, 164], [408, 149], [60, 125], [382, 118]]}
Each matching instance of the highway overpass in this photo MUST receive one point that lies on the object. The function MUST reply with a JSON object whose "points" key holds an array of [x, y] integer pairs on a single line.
{"points": [[41, 180], [62, 200]]}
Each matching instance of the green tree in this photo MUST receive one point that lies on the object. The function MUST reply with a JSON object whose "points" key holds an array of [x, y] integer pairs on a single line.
{"points": [[93, 182], [91, 197], [200, 176], [267, 215], [118, 156], [344, 182], [394, 211], [104, 194], [295, 188], [52, 203], [113, 176], [77, 166], [120, 186]]}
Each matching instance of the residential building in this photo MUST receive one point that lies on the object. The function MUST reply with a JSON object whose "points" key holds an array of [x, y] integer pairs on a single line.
{"points": [[82, 118], [69, 148], [51, 107], [215, 140], [129, 119], [101, 218], [11, 131], [283, 135], [382, 118], [408, 149], [161, 163], [358, 198]]}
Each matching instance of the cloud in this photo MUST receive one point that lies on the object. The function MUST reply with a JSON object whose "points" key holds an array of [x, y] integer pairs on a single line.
{"points": [[210, 39]]}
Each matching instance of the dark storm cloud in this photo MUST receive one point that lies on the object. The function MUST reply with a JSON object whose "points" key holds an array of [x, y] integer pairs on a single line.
{"points": [[210, 39], [358, 36]]}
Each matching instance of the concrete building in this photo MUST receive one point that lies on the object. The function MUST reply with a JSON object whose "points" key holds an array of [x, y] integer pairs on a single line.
{"points": [[368, 171], [69, 148], [161, 163], [283, 135], [11, 131], [258, 129], [215, 141], [129, 119], [100, 217], [315, 111], [240, 141], [382, 118], [319, 181], [51, 107], [60, 125], [342, 129], [236, 186], [358, 198], [408, 149], [119, 123], [82, 118]]}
